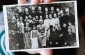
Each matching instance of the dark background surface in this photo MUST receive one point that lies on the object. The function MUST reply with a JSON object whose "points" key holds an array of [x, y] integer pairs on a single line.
{"points": [[81, 10]]}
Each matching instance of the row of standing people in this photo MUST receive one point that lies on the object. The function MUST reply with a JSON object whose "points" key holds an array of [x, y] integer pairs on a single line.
{"points": [[44, 28]]}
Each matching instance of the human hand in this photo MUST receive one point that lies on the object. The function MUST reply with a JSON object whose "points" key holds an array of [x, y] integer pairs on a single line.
{"points": [[35, 1]]}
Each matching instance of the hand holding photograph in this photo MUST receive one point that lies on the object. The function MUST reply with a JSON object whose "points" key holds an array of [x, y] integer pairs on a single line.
{"points": [[42, 26]]}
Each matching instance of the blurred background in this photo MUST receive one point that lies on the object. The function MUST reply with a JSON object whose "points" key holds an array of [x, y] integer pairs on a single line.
{"points": [[72, 51]]}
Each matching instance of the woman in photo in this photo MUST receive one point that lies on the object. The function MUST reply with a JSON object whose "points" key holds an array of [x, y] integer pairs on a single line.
{"points": [[27, 36], [34, 38]]}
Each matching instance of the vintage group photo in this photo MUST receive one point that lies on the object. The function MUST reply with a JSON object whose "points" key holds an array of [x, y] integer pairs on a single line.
{"points": [[41, 26]]}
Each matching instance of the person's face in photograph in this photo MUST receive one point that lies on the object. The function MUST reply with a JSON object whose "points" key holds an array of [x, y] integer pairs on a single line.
{"points": [[57, 9], [33, 9], [46, 16], [70, 24], [26, 10], [50, 16], [52, 8], [64, 25], [39, 8], [37, 17], [67, 10], [19, 8], [46, 9], [55, 15], [41, 17], [69, 31]]}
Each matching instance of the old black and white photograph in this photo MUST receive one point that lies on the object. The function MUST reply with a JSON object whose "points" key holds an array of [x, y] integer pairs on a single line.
{"points": [[42, 26]]}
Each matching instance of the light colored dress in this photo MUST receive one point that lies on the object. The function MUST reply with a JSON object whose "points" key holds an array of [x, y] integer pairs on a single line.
{"points": [[27, 40], [34, 43], [34, 39], [46, 25]]}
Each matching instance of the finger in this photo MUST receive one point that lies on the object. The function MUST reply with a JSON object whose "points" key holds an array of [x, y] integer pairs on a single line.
{"points": [[42, 52], [35, 1], [32, 51], [21, 1], [46, 52]]}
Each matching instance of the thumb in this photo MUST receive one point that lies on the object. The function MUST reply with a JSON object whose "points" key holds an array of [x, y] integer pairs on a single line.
{"points": [[21, 1], [46, 52]]}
